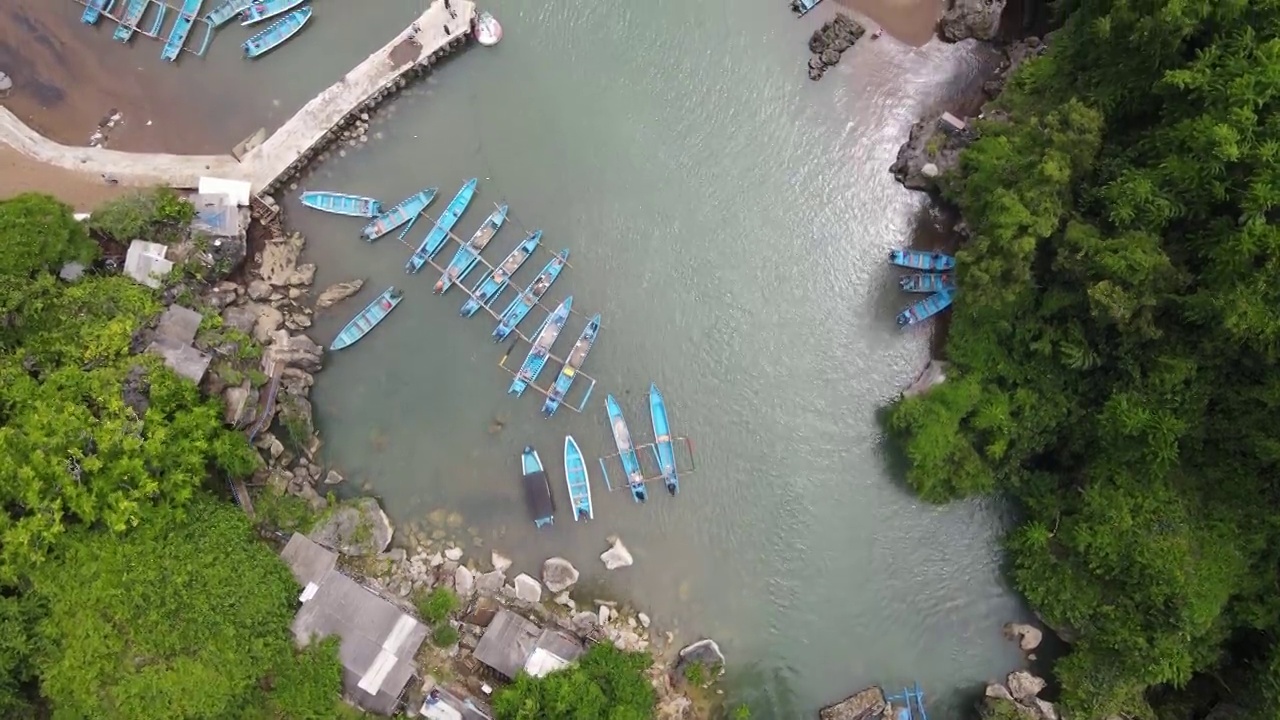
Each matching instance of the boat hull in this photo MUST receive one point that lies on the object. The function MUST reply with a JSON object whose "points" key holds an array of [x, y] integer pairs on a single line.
{"points": [[492, 285], [342, 204], [93, 11], [521, 305], [927, 282], [663, 448], [569, 373], [925, 308], [468, 255], [181, 29], [579, 482], [537, 488], [277, 33], [404, 211], [368, 319], [925, 261], [543, 341], [435, 239], [223, 13], [626, 450], [133, 13], [258, 11]]}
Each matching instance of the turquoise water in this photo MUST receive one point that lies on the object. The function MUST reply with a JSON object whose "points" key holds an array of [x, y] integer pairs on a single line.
{"points": [[730, 220]]}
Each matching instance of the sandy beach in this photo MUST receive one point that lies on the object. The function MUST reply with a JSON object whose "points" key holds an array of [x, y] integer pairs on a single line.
{"points": [[18, 174], [911, 21]]}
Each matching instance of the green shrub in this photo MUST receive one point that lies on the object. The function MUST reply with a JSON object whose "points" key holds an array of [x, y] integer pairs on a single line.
{"points": [[437, 605], [444, 635]]}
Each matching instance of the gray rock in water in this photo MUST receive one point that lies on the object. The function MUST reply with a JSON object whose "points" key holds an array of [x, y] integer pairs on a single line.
{"points": [[527, 588], [617, 556], [705, 653], [453, 553], [490, 583], [928, 154], [463, 582], [501, 562], [361, 528], [929, 170], [964, 19], [1023, 685], [333, 478], [1028, 636], [559, 574], [338, 292]]}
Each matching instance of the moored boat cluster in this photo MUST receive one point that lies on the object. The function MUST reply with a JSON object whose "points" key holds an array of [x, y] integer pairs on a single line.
{"points": [[934, 275]]}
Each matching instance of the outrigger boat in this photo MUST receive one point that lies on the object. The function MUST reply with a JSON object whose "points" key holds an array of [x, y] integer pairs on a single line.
{"points": [[921, 310], [537, 488], [569, 372], [181, 29], [626, 451], [259, 11], [404, 211], [493, 283], [917, 260], [93, 10], [276, 33], [575, 471], [226, 10], [520, 307], [907, 705], [342, 203], [927, 282], [663, 448], [133, 12], [542, 342], [434, 240], [468, 255], [368, 318], [803, 6]]}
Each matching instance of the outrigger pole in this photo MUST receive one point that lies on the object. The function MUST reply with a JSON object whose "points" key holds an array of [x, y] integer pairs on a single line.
{"points": [[524, 229], [688, 444]]}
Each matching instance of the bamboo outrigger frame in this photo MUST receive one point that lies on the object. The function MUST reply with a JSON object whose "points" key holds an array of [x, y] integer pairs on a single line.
{"points": [[684, 440]]}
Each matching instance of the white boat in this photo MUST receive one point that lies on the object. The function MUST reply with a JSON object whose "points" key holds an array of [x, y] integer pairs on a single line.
{"points": [[488, 30]]}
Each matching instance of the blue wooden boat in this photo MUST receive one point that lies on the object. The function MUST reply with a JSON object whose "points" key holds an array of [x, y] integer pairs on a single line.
{"points": [[276, 33], [917, 260], [921, 310], [181, 29], [908, 704], [94, 9], [368, 318], [663, 447], [520, 307], [133, 12], [259, 11], [404, 211], [541, 348], [575, 471], [494, 283], [626, 450], [226, 10], [434, 240], [468, 255], [927, 282], [537, 488], [342, 203], [803, 6], [569, 372]]}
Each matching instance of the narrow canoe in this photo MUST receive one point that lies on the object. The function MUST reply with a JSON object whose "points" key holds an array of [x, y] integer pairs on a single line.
{"points": [[181, 29], [626, 450], [342, 203], [493, 284], [94, 9], [541, 348], [133, 13], [520, 307], [537, 488], [569, 372], [927, 282], [368, 318], [663, 447], [226, 10], [921, 310], [404, 211], [575, 471], [803, 6], [917, 260], [434, 240], [468, 255], [259, 11], [276, 33]]}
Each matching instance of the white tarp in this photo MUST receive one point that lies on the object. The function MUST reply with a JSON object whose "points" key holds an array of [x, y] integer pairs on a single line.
{"points": [[542, 663], [238, 190], [145, 262]]}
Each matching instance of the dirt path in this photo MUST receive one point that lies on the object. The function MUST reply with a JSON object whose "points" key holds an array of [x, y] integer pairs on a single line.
{"points": [[19, 174]]}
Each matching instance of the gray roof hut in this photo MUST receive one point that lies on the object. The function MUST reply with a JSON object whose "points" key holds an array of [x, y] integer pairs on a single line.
{"points": [[511, 644], [378, 640]]}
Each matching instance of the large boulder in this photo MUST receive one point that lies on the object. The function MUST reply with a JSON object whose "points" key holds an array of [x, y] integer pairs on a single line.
{"points": [[616, 556], [869, 703], [238, 410], [464, 582], [1023, 685], [928, 154], [559, 574], [359, 528], [338, 292], [705, 653], [490, 583], [527, 588], [297, 350], [1028, 636], [280, 260], [964, 19]]}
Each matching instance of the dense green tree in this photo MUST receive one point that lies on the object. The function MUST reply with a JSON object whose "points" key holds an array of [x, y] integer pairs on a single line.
{"points": [[604, 684], [157, 215], [39, 234], [1115, 348]]}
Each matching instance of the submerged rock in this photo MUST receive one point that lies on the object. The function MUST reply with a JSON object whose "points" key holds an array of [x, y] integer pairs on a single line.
{"points": [[559, 574], [705, 653], [869, 703], [964, 19], [616, 556], [501, 562], [338, 292], [1028, 636], [361, 528]]}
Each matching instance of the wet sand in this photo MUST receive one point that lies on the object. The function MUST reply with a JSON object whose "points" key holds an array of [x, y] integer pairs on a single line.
{"points": [[69, 76], [18, 174], [911, 21]]}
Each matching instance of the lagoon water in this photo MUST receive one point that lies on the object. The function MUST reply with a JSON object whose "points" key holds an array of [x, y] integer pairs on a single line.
{"points": [[730, 219]]}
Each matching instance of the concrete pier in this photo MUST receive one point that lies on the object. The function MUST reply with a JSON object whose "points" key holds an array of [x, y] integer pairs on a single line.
{"points": [[291, 148]]}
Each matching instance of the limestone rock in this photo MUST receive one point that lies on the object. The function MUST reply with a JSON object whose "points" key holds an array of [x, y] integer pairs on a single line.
{"points": [[605, 614], [464, 582], [584, 622], [928, 154], [998, 692], [436, 560], [297, 350], [1028, 636], [280, 259], [236, 399], [490, 583], [559, 574], [268, 320], [704, 652], [676, 707], [616, 556], [453, 553], [964, 19], [361, 528], [241, 317], [338, 292], [333, 478], [869, 703], [527, 588], [1023, 685], [564, 599], [304, 275], [501, 563], [259, 290], [644, 620]]}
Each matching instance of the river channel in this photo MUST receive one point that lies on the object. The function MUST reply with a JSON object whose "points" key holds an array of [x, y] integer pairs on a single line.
{"points": [[730, 219]]}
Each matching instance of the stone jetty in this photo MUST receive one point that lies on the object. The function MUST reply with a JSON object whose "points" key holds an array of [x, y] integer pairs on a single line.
{"points": [[411, 54]]}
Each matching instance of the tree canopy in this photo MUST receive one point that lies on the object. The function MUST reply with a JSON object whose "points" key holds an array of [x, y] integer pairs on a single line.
{"points": [[39, 233], [1115, 349], [604, 684]]}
